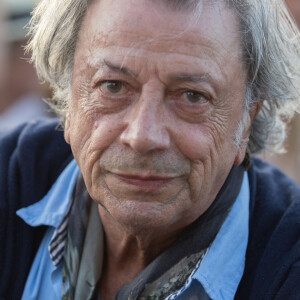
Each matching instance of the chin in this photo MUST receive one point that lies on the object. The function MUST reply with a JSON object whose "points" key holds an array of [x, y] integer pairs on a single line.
{"points": [[139, 215]]}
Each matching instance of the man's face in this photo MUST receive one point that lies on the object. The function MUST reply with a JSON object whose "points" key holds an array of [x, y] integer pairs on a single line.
{"points": [[157, 96]]}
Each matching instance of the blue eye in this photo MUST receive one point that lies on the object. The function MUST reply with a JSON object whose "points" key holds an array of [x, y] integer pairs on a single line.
{"points": [[194, 97], [113, 87]]}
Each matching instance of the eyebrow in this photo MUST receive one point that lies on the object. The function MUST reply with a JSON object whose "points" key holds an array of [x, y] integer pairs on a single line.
{"points": [[180, 77], [190, 77], [119, 69]]}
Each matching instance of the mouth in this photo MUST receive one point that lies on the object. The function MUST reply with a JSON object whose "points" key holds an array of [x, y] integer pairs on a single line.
{"points": [[147, 183]]}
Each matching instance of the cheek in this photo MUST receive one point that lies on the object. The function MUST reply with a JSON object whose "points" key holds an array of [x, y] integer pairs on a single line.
{"points": [[95, 130], [211, 141], [106, 130], [89, 140], [193, 141], [211, 153]]}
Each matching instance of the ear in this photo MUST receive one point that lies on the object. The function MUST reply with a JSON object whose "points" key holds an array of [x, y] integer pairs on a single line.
{"points": [[253, 112], [67, 128], [240, 155]]}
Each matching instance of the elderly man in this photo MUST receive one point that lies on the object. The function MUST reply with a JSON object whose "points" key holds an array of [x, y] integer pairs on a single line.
{"points": [[162, 104]]}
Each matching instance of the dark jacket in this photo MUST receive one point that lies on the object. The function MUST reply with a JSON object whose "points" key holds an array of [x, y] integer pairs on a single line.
{"points": [[32, 157]]}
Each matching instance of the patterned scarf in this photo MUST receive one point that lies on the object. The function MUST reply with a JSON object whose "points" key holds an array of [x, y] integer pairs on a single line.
{"points": [[83, 254]]}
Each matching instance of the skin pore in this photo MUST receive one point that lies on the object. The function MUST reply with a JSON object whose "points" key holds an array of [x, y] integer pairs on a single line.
{"points": [[157, 97]]}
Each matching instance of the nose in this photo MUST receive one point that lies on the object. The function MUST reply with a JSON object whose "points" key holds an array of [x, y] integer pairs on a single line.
{"points": [[146, 125]]}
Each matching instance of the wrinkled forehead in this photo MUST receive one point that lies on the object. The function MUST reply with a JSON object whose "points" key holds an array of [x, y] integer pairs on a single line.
{"points": [[171, 16], [159, 25], [182, 5], [192, 6], [142, 33]]}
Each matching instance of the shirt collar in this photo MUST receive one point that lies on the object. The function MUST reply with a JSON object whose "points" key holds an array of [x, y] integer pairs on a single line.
{"points": [[51, 210], [222, 268]]}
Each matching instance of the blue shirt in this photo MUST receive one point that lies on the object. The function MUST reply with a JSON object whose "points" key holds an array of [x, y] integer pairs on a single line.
{"points": [[219, 272], [45, 279]]}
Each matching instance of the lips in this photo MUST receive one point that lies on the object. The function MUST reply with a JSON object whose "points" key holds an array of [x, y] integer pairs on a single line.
{"points": [[145, 183]]}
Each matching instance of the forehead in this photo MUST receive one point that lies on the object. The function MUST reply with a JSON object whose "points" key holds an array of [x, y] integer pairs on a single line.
{"points": [[143, 29], [151, 18], [105, 19]]}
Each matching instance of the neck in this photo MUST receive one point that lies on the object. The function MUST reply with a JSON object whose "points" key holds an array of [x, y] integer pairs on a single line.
{"points": [[127, 253], [127, 246]]}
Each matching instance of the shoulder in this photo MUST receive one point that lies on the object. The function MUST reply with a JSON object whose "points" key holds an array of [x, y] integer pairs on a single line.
{"points": [[35, 133], [268, 181], [31, 157], [274, 233], [275, 200]]}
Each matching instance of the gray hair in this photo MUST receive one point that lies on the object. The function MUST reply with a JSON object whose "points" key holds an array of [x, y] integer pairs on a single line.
{"points": [[270, 43]]}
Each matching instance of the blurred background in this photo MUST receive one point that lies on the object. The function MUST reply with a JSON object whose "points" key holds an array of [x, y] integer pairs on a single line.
{"points": [[21, 93]]}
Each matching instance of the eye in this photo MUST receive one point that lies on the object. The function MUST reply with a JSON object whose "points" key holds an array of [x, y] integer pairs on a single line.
{"points": [[194, 97], [113, 87]]}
